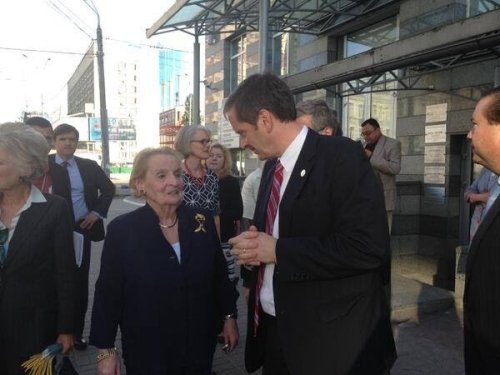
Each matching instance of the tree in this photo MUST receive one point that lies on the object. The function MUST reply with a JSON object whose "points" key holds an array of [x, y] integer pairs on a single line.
{"points": [[187, 116]]}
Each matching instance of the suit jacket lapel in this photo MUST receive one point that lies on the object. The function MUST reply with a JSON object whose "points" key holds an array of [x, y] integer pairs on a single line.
{"points": [[492, 214], [25, 227], [379, 148], [298, 178]]}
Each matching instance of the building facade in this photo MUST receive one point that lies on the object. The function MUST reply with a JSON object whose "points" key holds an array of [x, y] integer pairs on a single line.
{"points": [[418, 67]]}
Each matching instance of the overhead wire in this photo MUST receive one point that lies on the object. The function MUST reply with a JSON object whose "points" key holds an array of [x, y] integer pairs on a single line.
{"points": [[43, 51], [74, 15], [61, 12]]}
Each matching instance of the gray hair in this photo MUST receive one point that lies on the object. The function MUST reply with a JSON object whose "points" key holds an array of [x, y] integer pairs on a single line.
{"points": [[185, 136], [322, 115], [27, 147]]}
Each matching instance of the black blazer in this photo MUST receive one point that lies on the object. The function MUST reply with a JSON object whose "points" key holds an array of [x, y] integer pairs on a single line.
{"points": [[169, 313], [231, 206], [482, 297], [98, 191], [37, 283], [331, 309], [60, 182]]}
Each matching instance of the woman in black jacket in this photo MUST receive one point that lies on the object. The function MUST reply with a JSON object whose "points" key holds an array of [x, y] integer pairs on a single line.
{"points": [[231, 204]]}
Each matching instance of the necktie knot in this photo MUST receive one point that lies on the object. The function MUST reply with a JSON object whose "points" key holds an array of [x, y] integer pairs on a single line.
{"points": [[65, 164]]}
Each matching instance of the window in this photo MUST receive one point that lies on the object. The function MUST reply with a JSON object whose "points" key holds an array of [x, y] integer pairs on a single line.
{"points": [[238, 67], [482, 6], [377, 35], [380, 105], [281, 53]]}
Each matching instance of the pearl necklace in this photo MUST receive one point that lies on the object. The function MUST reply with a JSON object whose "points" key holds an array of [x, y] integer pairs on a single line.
{"points": [[165, 226]]}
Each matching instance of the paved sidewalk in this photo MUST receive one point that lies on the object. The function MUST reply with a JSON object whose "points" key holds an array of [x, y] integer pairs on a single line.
{"points": [[427, 327]]}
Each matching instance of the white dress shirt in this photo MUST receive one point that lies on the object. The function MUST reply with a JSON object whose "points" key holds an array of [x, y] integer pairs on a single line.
{"points": [[288, 160]]}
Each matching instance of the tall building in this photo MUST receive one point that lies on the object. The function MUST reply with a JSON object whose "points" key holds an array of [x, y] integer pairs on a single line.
{"points": [[134, 99], [175, 69], [417, 66]]}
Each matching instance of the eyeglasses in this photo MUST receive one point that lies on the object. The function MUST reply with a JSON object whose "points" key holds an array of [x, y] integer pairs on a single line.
{"points": [[204, 142], [367, 133]]}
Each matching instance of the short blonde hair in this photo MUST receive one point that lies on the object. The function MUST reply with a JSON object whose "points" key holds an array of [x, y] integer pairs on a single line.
{"points": [[140, 167], [228, 160], [185, 136], [27, 148]]}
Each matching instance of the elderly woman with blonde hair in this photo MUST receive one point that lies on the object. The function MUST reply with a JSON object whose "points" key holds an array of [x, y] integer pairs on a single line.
{"points": [[163, 280], [37, 260]]}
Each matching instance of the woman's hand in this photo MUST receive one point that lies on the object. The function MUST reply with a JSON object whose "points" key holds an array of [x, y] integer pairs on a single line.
{"points": [[66, 341], [231, 334], [109, 366]]}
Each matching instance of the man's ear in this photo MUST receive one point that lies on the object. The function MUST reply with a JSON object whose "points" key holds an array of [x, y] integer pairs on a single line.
{"points": [[266, 120]]}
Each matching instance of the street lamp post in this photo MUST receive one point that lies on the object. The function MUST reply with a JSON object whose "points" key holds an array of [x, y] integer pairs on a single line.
{"points": [[102, 92]]}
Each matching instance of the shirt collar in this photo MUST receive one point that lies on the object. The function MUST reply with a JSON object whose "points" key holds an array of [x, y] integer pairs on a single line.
{"points": [[71, 161], [291, 154], [35, 196]]}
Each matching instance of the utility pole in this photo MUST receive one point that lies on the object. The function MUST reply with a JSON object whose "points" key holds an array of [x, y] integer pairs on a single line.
{"points": [[102, 102], [102, 93]]}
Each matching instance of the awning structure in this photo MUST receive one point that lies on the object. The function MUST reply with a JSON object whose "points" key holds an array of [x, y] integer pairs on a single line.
{"points": [[470, 40], [301, 16]]}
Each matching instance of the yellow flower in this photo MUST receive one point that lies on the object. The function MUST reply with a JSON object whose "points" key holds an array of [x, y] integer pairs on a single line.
{"points": [[200, 218]]}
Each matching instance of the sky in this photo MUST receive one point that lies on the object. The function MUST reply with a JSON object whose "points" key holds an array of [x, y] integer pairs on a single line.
{"points": [[32, 77]]}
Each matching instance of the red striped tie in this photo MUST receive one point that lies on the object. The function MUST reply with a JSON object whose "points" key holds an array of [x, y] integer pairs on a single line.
{"points": [[272, 208]]}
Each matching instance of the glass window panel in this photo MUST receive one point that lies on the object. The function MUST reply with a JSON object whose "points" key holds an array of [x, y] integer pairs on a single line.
{"points": [[482, 6], [239, 65], [281, 53], [371, 37], [381, 105]]}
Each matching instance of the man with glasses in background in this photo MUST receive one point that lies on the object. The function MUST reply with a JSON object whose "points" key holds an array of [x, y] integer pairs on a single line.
{"points": [[384, 154]]}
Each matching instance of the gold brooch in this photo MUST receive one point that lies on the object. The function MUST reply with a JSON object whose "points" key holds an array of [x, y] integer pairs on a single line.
{"points": [[200, 218]]}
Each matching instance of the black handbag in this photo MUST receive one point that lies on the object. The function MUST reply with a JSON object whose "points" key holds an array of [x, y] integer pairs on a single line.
{"points": [[63, 366]]}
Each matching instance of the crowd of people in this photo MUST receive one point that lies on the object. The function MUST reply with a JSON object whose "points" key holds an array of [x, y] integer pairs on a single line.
{"points": [[317, 286]]}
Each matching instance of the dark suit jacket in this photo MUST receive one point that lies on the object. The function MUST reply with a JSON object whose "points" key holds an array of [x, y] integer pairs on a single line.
{"points": [[98, 191], [169, 313], [482, 297], [37, 283], [60, 182], [331, 310], [231, 206]]}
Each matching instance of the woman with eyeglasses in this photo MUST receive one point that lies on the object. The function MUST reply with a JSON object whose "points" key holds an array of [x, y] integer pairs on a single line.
{"points": [[201, 185]]}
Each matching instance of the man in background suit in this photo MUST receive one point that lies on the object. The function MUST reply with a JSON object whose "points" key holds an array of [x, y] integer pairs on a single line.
{"points": [[385, 157], [55, 180], [482, 275], [316, 114], [320, 306], [91, 193]]}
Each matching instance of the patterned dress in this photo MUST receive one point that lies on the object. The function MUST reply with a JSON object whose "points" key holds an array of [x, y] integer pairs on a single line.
{"points": [[202, 192]]}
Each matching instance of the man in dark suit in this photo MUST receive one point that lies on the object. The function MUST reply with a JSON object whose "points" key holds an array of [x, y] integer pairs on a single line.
{"points": [[482, 275], [91, 193], [320, 306], [55, 180]]}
